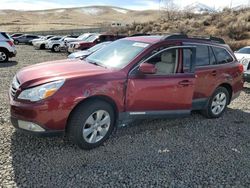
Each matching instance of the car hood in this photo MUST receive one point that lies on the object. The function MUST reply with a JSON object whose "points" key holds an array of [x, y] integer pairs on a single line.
{"points": [[55, 70], [240, 56]]}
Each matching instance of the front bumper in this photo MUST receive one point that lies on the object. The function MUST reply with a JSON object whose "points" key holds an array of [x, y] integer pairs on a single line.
{"points": [[72, 50], [45, 133], [12, 54], [45, 114]]}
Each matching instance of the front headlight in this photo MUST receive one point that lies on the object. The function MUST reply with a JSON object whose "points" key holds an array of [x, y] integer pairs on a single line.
{"points": [[77, 45], [244, 62], [41, 92]]}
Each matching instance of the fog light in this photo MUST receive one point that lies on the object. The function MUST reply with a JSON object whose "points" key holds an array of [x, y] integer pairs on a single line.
{"points": [[30, 126]]}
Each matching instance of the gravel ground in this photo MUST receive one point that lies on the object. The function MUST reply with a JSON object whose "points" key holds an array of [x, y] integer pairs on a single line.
{"points": [[190, 152]]}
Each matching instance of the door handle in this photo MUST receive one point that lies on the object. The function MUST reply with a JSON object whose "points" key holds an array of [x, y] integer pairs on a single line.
{"points": [[185, 83], [214, 73]]}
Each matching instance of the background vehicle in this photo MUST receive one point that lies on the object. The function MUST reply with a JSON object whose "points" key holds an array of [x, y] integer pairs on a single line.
{"points": [[25, 38], [243, 55], [131, 78], [16, 35], [7, 47], [85, 53], [41, 38], [247, 76], [54, 45], [67, 41], [246, 63], [92, 41], [40, 44]]}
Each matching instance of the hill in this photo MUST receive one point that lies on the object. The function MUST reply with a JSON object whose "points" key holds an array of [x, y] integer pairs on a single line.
{"points": [[71, 18]]}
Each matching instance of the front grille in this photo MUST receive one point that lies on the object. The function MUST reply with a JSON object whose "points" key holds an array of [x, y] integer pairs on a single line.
{"points": [[14, 87]]}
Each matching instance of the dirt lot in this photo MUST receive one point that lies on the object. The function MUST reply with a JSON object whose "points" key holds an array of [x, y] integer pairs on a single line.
{"points": [[190, 152]]}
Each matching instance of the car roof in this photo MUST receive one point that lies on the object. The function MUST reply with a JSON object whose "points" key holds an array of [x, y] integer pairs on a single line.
{"points": [[146, 39], [152, 39]]}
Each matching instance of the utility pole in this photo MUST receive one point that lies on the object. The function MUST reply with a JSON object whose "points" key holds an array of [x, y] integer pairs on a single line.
{"points": [[231, 4]]}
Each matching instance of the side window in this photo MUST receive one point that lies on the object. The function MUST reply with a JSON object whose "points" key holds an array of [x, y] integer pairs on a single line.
{"points": [[166, 62], [202, 55], [211, 57], [222, 56], [187, 58]]}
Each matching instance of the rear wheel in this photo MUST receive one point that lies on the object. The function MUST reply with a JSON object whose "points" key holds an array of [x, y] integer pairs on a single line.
{"points": [[16, 42], [3, 56], [91, 124], [217, 103]]}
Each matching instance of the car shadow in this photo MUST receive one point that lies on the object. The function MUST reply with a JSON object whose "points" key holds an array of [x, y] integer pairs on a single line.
{"points": [[37, 160], [8, 64]]}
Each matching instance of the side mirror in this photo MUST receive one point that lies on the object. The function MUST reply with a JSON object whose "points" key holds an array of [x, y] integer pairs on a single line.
{"points": [[147, 68]]}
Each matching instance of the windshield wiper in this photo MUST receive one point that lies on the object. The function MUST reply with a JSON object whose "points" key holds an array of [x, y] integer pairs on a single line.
{"points": [[95, 63]]}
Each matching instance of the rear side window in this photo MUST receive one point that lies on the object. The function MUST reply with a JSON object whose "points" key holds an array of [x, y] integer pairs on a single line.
{"points": [[211, 57], [202, 55], [222, 56]]}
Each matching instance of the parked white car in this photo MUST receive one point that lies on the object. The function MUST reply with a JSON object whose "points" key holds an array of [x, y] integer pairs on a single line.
{"points": [[246, 63], [41, 38], [54, 45], [7, 47], [42, 43], [243, 55]]}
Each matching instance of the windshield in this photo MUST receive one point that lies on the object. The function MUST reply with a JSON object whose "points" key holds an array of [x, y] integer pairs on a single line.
{"points": [[84, 36], [118, 54], [98, 46], [91, 38], [244, 51]]}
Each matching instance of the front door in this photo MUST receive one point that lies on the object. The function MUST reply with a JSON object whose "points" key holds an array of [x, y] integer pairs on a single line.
{"points": [[169, 91]]}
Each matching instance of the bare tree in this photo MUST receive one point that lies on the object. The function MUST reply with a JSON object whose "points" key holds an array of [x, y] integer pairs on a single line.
{"points": [[169, 8]]}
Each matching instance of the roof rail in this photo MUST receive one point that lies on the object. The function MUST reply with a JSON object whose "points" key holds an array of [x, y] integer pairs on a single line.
{"points": [[184, 36]]}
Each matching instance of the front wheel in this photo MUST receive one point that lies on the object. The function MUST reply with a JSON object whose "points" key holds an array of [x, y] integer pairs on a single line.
{"points": [[56, 48], [217, 103], [91, 124], [16, 42]]}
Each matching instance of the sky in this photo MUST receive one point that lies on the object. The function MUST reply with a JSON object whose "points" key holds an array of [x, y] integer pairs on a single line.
{"points": [[130, 4]]}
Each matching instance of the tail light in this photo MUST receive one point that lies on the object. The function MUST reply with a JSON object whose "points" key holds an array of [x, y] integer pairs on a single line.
{"points": [[241, 68], [10, 43]]}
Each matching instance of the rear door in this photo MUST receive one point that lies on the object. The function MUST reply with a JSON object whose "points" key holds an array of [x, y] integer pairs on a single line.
{"points": [[167, 92]]}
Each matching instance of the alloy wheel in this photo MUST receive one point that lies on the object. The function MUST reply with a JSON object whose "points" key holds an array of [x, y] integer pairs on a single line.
{"points": [[3, 56], [219, 103], [96, 126]]}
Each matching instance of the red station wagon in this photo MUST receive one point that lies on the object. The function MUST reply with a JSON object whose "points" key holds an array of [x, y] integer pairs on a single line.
{"points": [[132, 78]]}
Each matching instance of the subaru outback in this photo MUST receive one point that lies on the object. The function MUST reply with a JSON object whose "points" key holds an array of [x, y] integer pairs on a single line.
{"points": [[132, 78]]}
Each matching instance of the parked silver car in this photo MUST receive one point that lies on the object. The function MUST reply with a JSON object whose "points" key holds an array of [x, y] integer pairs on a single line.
{"points": [[26, 38], [7, 47]]}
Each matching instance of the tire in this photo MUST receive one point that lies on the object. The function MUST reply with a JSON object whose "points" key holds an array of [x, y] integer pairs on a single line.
{"points": [[56, 48], [42, 46], [16, 42], [85, 119], [4, 56], [217, 103]]}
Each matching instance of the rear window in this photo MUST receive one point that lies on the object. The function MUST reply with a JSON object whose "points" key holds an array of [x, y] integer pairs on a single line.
{"points": [[222, 55], [5, 35]]}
